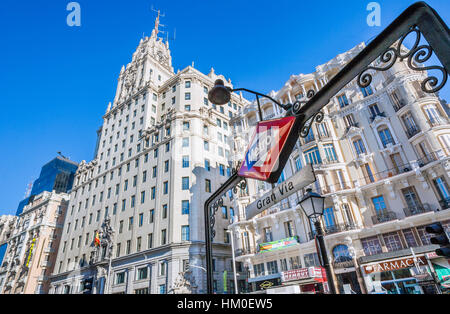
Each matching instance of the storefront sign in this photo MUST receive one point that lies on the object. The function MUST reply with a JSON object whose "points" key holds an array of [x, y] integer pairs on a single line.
{"points": [[298, 181], [302, 274], [394, 265], [432, 255], [276, 245]]}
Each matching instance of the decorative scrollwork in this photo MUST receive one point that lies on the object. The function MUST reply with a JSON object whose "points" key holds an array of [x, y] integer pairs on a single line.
{"points": [[298, 104], [242, 185], [417, 54], [318, 117]]}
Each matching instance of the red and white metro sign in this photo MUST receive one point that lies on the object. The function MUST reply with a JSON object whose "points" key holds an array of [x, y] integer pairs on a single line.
{"points": [[269, 149]]}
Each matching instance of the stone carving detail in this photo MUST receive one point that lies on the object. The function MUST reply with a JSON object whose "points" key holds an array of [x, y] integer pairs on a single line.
{"points": [[185, 283]]}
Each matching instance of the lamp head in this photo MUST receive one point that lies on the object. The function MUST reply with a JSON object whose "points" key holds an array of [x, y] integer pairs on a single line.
{"points": [[312, 204], [219, 94]]}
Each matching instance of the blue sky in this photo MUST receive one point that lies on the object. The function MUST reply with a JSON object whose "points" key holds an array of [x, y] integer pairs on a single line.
{"points": [[56, 80]]}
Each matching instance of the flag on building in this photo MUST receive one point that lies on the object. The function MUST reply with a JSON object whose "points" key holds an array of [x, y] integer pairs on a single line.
{"points": [[97, 239]]}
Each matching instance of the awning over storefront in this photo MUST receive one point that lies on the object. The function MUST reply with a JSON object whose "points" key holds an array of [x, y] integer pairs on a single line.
{"points": [[263, 278]]}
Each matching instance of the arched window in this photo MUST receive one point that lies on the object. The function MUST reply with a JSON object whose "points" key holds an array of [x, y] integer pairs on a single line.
{"points": [[385, 136], [341, 253], [359, 146]]}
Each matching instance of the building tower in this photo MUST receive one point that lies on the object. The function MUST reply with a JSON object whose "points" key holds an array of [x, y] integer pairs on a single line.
{"points": [[161, 151]]}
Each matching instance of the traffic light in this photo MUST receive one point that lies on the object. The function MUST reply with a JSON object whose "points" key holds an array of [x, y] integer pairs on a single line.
{"points": [[87, 286], [440, 239]]}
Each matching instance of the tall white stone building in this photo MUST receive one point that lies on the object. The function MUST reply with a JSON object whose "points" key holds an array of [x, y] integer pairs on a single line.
{"points": [[161, 152], [381, 158]]}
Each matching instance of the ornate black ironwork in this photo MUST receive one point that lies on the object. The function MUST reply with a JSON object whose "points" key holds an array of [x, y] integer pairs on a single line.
{"points": [[318, 117], [218, 203], [416, 55]]}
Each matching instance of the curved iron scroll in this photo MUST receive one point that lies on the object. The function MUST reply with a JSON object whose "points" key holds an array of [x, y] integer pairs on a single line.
{"points": [[214, 207], [318, 117], [416, 55]]}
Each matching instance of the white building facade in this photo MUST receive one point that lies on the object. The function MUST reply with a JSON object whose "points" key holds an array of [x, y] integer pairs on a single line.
{"points": [[161, 152], [33, 239], [381, 158]]}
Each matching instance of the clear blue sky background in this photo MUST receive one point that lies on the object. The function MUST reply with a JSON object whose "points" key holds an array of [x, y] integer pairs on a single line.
{"points": [[56, 81]]}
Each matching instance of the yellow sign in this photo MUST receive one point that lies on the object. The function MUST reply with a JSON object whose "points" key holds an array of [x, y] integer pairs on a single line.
{"points": [[31, 251], [266, 285]]}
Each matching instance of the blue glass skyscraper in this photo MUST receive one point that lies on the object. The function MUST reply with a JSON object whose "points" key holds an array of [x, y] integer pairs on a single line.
{"points": [[57, 175]]}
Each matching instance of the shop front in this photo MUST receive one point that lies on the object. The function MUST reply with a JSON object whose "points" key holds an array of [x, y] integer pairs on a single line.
{"points": [[406, 275], [441, 266], [311, 280]]}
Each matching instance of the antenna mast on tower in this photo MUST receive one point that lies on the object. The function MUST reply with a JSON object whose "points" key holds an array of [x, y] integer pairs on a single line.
{"points": [[158, 24]]}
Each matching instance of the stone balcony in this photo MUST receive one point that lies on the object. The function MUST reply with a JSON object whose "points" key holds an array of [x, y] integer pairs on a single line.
{"points": [[384, 216], [402, 103], [445, 204], [410, 132], [342, 227], [416, 210]]}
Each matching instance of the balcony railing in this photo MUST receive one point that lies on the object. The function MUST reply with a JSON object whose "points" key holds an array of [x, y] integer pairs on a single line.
{"points": [[436, 122], [354, 125], [344, 264], [379, 114], [240, 252], [401, 103], [430, 157], [412, 131], [416, 210], [309, 139], [445, 204], [383, 216], [334, 229]]}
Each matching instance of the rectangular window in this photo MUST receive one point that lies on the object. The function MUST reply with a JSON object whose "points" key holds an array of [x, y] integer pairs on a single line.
{"points": [[185, 207], [142, 273], [150, 240], [392, 241], [224, 212], [185, 161], [138, 244], [185, 183], [207, 186], [272, 267], [163, 236], [152, 216], [141, 220], [343, 101], [185, 233], [371, 246]]}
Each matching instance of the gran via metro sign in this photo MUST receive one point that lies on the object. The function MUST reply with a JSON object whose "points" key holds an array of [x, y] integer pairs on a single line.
{"points": [[269, 149]]}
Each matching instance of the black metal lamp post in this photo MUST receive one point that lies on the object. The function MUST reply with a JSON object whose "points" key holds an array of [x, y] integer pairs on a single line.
{"points": [[221, 94], [312, 204]]}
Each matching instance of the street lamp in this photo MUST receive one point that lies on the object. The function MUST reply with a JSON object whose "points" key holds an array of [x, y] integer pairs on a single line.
{"points": [[234, 262], [221, 95], [312, 204]]}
